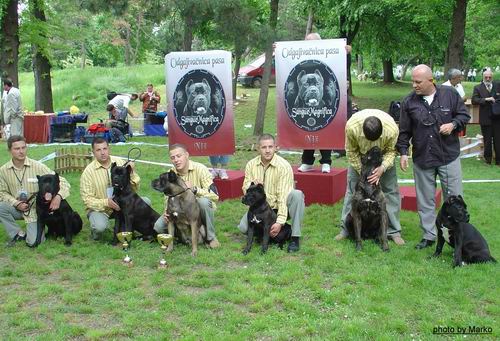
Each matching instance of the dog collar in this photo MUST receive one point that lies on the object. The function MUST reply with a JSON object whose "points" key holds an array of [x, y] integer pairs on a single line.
{"points": [[174, 195]]}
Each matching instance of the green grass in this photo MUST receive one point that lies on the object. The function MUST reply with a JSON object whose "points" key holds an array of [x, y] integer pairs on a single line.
{"points": [[327, 291]]}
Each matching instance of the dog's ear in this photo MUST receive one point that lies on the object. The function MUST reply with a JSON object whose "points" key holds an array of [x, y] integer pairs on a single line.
{"points": [[204, 81], [252, 184], [129, 169], [113, 165], [318, 74], [188, 84], [57, 176], [172, 177], [38, 177], [299, 77]]}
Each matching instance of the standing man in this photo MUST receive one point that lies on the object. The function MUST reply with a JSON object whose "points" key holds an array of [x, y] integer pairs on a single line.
{"points": [[118, 106], [366, 129], [484, 95], [12, 109], [150, 99], [276, 175], [96, 189], [455, 80], [431, 117], [18, 189], [197, 178]]}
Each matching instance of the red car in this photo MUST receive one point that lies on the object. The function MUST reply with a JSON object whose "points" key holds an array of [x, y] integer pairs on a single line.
{"points": [[251, 74]]}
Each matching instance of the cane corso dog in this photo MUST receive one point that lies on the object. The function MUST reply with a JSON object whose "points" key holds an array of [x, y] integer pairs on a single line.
{"points": [[310, 90], [368, 217], [63, 222], [260, 219], [135, 214], [185, 221], [453, 226], [198, 98]]}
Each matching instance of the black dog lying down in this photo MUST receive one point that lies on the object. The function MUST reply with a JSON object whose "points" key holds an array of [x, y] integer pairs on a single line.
{"points": [[185, 220], [368, 217], [453, 226], [63, 222], [135, 214], [260, 219]]}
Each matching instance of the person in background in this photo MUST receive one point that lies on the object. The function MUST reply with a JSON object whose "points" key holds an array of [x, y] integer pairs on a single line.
{"points": [[118, 106], [455, 81], [150, 99], [12, 108], [216, 171]]}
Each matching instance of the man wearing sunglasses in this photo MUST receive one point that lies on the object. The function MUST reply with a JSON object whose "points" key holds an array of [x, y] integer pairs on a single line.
{"points": [[431, 118]]}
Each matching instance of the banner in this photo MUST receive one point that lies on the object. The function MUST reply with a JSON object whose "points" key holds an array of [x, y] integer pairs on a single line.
{"points": [[311, 93], [200, 101]]}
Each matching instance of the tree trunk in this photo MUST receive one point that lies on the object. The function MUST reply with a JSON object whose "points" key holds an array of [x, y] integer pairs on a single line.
{"points": [[388, 74], [188, 33], [349, 35], [128, 47], [264, 88], [310, 20], [135, 51], [454, 57], [9, 43], [237, 64], [360, 64], [405, 66], [41, 68], [83, 53]]}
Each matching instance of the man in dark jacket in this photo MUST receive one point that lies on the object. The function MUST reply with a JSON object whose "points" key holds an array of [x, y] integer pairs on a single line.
{"points": [[484, 95], [431, 117]]}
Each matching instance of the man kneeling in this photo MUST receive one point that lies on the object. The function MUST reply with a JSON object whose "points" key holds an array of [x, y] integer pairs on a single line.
{"points": [[276, 175]]}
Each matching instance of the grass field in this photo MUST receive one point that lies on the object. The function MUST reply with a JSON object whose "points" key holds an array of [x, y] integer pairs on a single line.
{"points": [[327, 291]]}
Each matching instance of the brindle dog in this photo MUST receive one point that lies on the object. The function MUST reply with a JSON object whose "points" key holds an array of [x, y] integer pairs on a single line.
{"points": [[185, 222], [368, 218]]}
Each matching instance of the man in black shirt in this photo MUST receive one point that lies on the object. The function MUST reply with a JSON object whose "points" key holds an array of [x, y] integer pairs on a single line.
{"points": [[431, 117]]}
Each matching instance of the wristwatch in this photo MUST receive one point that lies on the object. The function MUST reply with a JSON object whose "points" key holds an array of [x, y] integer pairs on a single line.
{"points": [[454, 125]]}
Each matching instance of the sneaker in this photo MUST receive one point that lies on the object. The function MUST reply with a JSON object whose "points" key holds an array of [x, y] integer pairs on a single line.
{"points": [[214, 173], [294, 245], [305, 168], [16, 238], [223, 174], [340, 237], [325, 168], [397, 240], [214, 243], [94, 234]]}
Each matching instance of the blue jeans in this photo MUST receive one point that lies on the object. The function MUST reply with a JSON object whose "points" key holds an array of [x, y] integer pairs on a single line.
{"points": [[216, 159]]}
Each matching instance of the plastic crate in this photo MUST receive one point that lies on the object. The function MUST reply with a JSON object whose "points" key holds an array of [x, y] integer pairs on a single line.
{"points": [[88, 138], [154, 118], [62, 132], [136, 125], [154, 130]]}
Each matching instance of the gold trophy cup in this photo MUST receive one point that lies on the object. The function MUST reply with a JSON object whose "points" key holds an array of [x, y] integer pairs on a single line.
{"points": [[164, 239], [125, 238]]}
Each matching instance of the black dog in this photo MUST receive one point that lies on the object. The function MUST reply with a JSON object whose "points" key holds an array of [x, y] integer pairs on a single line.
{"points": [[185, 221], [260, 219], [63, 222], [453, 226], [368, 217], [135, 214]]}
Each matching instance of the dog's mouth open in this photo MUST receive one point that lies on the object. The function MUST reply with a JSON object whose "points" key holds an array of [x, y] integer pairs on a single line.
{"points": [[201, 110], [47, 197]]}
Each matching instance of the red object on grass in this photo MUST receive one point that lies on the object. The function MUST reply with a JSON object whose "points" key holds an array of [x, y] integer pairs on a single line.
{"points": [[321, 188], [409, 198]]}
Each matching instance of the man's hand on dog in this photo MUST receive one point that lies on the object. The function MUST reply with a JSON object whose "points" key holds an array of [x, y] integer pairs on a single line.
{"points": [[55, 203], [275, 229], [374, 178], [113, 205], [166, 217]]}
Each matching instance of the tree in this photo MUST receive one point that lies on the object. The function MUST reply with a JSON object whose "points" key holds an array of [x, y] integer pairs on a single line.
{"points": [[195, 14], [41, 63], [264, 89], [9, 40], [455, 50]]}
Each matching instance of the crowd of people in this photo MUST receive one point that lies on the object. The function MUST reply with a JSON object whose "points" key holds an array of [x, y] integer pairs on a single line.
{"points": [[431, 118]]}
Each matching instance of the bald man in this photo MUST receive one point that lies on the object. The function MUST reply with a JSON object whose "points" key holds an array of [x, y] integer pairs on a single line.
{"points": [[431, 117]]}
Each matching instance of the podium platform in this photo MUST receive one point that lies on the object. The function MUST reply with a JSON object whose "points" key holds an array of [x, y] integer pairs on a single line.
{"points": [[409, 198], [230, 188], [321, 188]]}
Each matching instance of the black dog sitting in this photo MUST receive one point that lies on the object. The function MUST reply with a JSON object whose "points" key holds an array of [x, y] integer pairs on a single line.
{"points": [[135, 214], [63, 222], [260, 219], [368, 217], [453, 226]]}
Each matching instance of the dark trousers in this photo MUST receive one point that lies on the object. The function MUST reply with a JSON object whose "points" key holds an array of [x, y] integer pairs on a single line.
{"points": [[491, 138], [308, 156]]}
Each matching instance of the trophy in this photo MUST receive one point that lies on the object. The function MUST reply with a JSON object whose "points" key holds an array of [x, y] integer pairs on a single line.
{"points": [[164, 239], [125, 238]]}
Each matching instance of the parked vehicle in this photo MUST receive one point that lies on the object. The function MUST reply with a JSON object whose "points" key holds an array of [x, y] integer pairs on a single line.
{"points": [[251, 74]]}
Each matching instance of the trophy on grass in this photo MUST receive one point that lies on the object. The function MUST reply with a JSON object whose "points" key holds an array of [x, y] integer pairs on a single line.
{"points": [[164, 239], [125, 238]]}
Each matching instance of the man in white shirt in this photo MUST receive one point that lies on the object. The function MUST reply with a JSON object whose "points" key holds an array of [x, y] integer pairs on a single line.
{"points": [[12, 108], [118, 106], [454, 80]]}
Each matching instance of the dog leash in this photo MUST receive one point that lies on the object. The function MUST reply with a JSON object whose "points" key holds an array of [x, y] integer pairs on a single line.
{"points": [[27, 213], [173, 196], [137, 156]]}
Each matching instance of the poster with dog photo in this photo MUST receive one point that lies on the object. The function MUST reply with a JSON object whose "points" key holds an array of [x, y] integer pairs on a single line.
{"points": [[200, 108], [311, 92]]}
